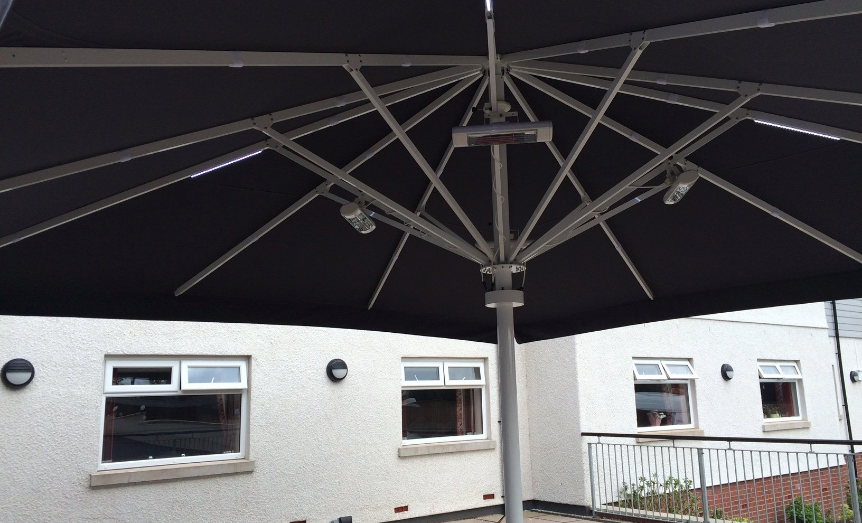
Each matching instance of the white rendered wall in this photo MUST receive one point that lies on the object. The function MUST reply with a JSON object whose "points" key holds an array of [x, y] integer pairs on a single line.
{"points": [[323, 450], [585, 383], [851, 354]]}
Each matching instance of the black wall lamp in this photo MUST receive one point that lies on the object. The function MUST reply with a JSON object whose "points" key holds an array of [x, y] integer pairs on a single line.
{"points": [[854, 376], [336, 370], [17, 373], [727, 372]]}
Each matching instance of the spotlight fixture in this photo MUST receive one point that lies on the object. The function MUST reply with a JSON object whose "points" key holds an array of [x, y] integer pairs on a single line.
{"points": [[727, 372], [854, 376], [336, 370], [502, 134], [680, 185], [17, 373], [357, 216], [798, 130]]}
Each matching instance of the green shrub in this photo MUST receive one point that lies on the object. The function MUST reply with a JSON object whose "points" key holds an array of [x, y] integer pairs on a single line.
{"points": [[798, 511], [845, 515], [718, 513], [672, 496]]}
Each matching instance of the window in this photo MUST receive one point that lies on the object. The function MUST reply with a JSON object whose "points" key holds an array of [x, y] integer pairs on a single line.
{"points": [[442, 401], [663, 394], [168, 411], [780, 390]]}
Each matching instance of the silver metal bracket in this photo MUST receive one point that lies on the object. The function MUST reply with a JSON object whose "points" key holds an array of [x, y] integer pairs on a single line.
{"points": [[354, 62], [514, 268], [748, 89], [504, 297], [636, 40], [503, 111], [262, 122]]}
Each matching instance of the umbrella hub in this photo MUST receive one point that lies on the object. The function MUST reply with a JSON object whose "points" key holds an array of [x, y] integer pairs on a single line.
{"points": [[502, 292], [513, 268]]}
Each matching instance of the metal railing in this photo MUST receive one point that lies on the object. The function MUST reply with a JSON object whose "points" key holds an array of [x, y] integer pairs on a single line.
{"points": [[723, 480]]}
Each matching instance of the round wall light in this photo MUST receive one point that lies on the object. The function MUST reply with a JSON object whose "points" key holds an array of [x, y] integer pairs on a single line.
{"points": [[17, 373], [854, 376], [336, 370], [727, 372]]}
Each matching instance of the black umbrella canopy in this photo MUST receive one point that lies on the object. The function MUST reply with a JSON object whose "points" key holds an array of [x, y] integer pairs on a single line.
{"points": [[775, 218]]}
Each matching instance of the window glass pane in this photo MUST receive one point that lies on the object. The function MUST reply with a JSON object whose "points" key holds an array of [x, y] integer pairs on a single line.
{"points": [[678, 369], [769, 370], [214, 375], [779, 399], [154, 427], [661, 404], [141, 376], [436, 413], [648, 369], [464, 373], [789, 370], [421, 373]]}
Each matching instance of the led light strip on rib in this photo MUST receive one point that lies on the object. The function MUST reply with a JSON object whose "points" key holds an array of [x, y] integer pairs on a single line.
{"points": [[798, 130], [211, 169]]}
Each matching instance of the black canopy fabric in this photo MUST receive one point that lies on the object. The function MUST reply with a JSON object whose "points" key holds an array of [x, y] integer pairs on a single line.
{"points": [[711, 252]]}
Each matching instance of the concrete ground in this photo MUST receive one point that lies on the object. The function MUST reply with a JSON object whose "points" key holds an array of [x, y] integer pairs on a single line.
{"points": [[529, 517]]}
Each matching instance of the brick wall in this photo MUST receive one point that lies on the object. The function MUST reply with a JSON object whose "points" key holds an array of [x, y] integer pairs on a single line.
{"points": [[764, 500]]}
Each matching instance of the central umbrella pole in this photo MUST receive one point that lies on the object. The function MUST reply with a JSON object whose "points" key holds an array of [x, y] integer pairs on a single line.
{"points": [[509, 405]]}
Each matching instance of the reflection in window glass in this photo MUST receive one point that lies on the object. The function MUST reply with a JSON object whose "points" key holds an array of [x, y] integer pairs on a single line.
{"points": [[214, 375], [464, 373], [421, 373], [662, 404], [436, 413], [679, 369], [789, 370], [769, 370], [141, 376], [648, 369], [154, 427], [780, 399]]}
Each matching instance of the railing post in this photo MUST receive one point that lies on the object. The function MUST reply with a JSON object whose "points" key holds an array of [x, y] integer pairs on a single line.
{"points": [[593, 478], [704, 499], [854, 494]]}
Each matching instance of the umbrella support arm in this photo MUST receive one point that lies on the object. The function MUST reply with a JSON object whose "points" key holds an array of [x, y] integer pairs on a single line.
{"points": [[718, 84], [751, 20], [408, 88], [528, 76], [576, 217]]}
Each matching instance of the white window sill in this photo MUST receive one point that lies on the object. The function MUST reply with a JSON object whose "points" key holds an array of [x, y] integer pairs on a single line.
{"points": [[769, 426], [646, 437], [445, 448], [166, 472]]}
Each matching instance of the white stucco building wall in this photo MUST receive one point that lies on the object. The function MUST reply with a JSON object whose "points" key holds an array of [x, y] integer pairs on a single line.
{"points": [[322, 450], [325, 450], [587, 384], [851, 355]]}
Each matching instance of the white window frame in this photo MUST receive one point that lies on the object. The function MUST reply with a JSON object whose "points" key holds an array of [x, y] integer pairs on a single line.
{"points": [[668, 378], [445, 383], [422, 383], [140, 364], [243, 374], [114, 391], [782, 377]]}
